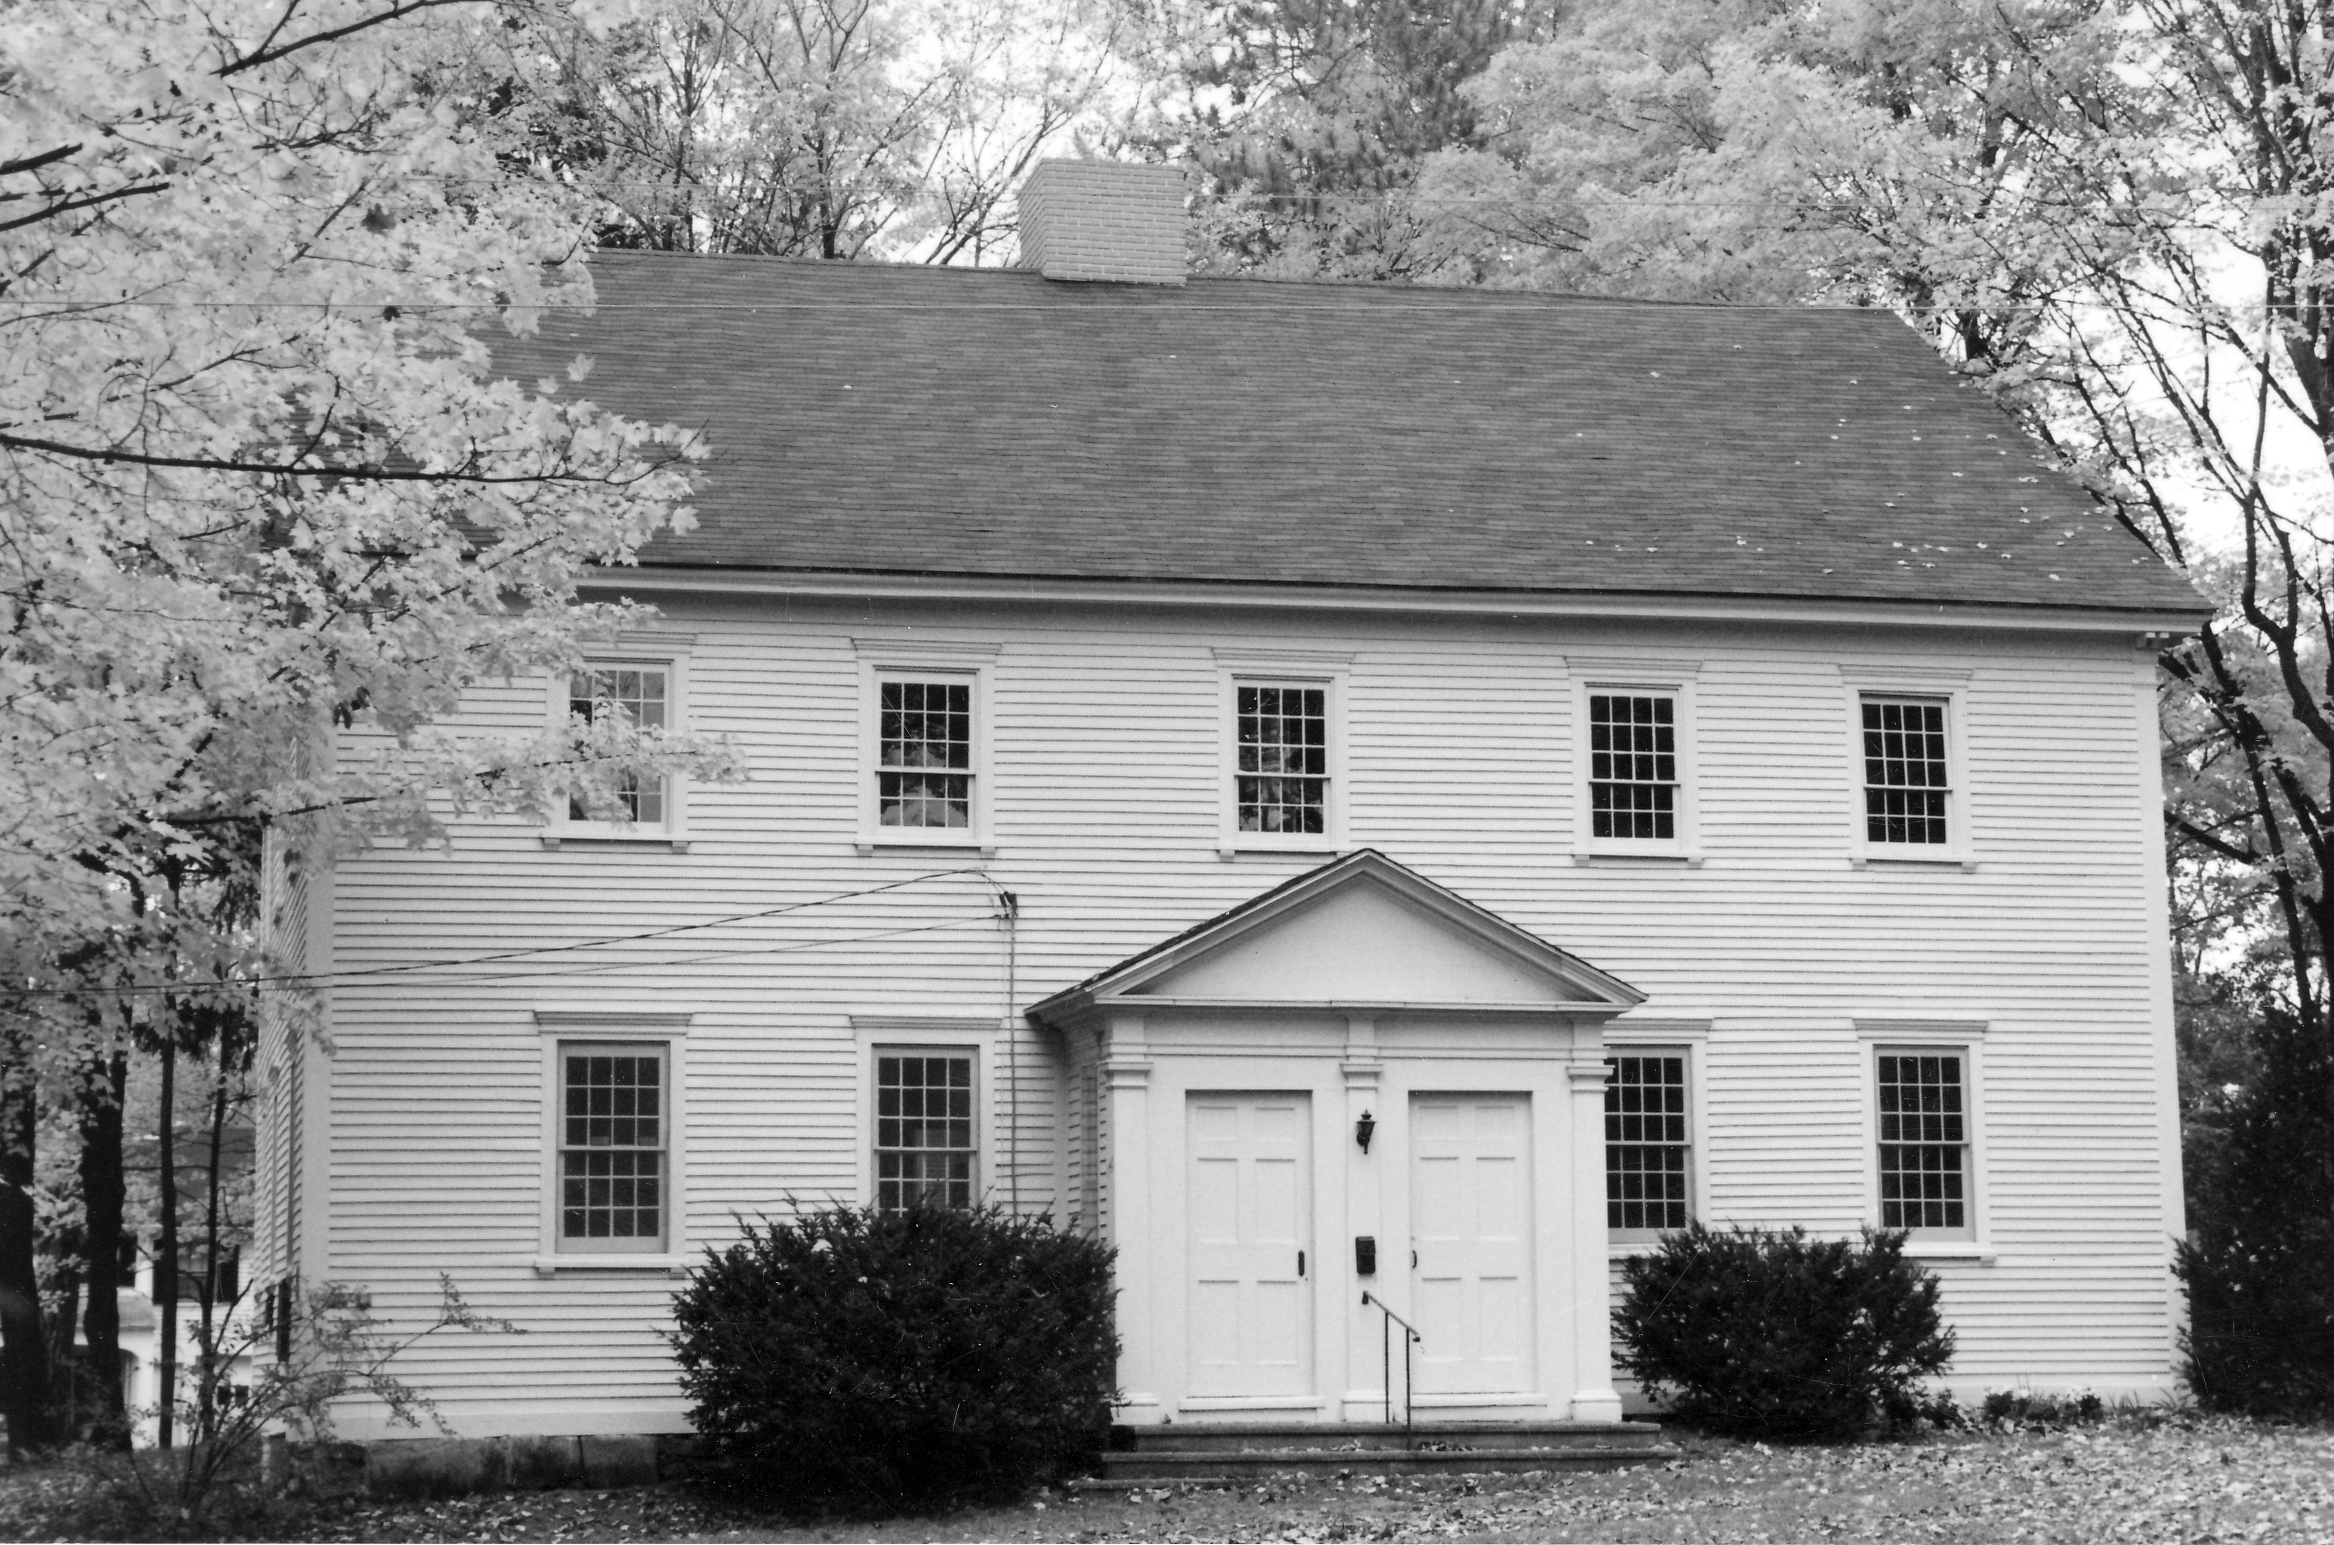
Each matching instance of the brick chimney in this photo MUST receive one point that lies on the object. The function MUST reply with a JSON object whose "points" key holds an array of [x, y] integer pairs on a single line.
{"points": [[1103, 220]]}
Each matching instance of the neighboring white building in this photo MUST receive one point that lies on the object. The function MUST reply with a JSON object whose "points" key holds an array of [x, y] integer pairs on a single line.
{"points": [[1644, 762]]}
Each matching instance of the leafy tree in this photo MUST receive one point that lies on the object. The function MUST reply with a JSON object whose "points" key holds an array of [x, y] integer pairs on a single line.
{"points": [[258, 478], [818, 128], [1311, 120]]}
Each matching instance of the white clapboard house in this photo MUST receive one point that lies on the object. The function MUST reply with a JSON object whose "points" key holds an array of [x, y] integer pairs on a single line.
{"points": [[1338, 788]]}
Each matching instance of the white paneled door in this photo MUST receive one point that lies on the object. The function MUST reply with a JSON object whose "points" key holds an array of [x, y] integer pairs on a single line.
{"points": [[1470, 1220], [1250, 1205]]}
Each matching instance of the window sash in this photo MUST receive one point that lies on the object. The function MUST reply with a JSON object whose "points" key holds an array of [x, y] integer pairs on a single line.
{"points": [[1633, 766], [924, 753], [613, 1134], [1908, 781], [1924, 1142], [927, 1128], [1647, 1143], [644, 694], [1281, 770]]}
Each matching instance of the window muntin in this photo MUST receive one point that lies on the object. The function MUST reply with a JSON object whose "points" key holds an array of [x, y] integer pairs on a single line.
{"points": [[924, 754], [643, 693], [925, 1148], [1282, 777], [1924, 1141], [612, 1148], [1633, 766], [1645, 1142], [1907, 781]]}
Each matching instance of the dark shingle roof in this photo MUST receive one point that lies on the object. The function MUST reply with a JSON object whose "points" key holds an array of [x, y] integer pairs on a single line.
{"points": [[946, 422]]}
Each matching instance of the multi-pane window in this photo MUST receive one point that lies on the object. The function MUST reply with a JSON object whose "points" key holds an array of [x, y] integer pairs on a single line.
{"points": [[1924, 1142], [643, 694], [612, 1148], [924, 1146], [1645, 1142], [1283, 774], [1633, 766], [924, 754], [1906, 782]]}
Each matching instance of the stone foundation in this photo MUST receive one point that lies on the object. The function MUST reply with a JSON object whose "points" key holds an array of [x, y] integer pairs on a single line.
{"points": [[452, 1467]]}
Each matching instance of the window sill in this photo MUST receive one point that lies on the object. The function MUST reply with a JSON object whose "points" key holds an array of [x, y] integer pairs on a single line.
{"points": [[1621, 858], [926, 843], [1243, 848], [672, 842], [1962, 862], [663, 1264], [1950, 1250]]}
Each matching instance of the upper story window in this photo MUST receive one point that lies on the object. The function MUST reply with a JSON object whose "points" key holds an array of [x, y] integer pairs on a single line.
{"points": [[1282, 777], [1924, 1142], [612, 1145], [925, 743], [924, 754], [1646, 1142], [1907, 771], [646, 693], [925, 1148], [1633, 766]]}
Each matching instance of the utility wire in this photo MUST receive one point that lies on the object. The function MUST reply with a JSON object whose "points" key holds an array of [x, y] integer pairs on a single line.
{"points": [[371, 973]]}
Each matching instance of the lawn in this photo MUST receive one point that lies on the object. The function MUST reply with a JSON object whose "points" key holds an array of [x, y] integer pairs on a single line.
{"points": [[2184, 1479]]}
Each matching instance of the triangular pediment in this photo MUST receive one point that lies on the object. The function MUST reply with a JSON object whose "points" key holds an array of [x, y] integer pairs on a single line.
{"points": [[1363, 930]]}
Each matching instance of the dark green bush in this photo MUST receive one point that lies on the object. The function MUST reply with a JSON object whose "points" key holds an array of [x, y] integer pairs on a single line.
{"points": [[2259, 1258], [1758, 1334], [895, 1359]]}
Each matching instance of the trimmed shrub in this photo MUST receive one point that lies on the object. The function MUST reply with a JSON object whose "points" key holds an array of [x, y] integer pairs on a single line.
{"points": [[902, 1358], [2258, 1262], [1758, 1334]]}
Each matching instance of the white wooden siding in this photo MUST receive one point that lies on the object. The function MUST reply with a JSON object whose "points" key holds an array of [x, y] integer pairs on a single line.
{"points": [[1462, 762]]}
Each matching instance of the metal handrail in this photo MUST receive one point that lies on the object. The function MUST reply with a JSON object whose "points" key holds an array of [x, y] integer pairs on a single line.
{"points": [[1410, 1338]]}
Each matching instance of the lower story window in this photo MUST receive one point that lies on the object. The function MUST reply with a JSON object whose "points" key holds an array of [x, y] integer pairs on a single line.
{"points": [[1645, 1142], [612, 1147], [925, 1152], [1924, 1142]]}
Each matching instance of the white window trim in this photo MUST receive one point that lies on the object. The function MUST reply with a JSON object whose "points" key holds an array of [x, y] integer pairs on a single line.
{"points": [[1964, 1038], [566, 1027], [1673, 679], [926, 660], [1688, 1038], [1331, 670], [1940, 684], [668, 652], [919, 1033]]}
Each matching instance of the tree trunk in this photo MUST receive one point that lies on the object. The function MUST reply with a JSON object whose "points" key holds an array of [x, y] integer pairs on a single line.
{"points": [[166, 1246], [213, 1367], [24, 1354], [103, 1193]]}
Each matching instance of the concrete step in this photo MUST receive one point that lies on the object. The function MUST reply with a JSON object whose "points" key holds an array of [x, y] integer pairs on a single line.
{"points": [[1205, 1452], [1240, 1437]]}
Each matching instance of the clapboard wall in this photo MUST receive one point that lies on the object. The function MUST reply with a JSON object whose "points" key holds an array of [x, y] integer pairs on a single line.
{"points": [[1461, 760]]}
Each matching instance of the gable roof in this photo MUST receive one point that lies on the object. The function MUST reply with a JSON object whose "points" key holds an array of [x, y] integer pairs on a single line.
{"points": [[1583, 987], [881, 420]]}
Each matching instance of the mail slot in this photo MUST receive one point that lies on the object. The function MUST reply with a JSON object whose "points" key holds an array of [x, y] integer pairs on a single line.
{"points": [[1365, 1255]]}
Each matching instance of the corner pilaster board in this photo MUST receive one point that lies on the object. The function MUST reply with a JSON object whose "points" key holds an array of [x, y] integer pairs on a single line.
{"points": [[663, 1022]]}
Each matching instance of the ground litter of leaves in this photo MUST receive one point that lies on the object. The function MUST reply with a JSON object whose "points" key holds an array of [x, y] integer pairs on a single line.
{"points": [[2191, 1480]]}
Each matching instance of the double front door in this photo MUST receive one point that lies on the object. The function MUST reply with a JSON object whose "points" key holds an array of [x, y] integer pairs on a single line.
{"points": [[1253, 1263]]}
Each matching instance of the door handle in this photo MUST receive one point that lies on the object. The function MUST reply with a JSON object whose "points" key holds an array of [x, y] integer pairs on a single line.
{"points": [[1300, 1263], [1414, 1260]]}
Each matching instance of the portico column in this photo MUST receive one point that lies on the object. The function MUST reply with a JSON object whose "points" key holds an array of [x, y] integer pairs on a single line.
{"points": [[1127, 1075], [1592, 1354]]}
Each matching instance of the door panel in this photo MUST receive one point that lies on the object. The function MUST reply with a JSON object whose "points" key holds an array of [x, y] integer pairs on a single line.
{"points": [[1471, 1222], [1249, 1204]]}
